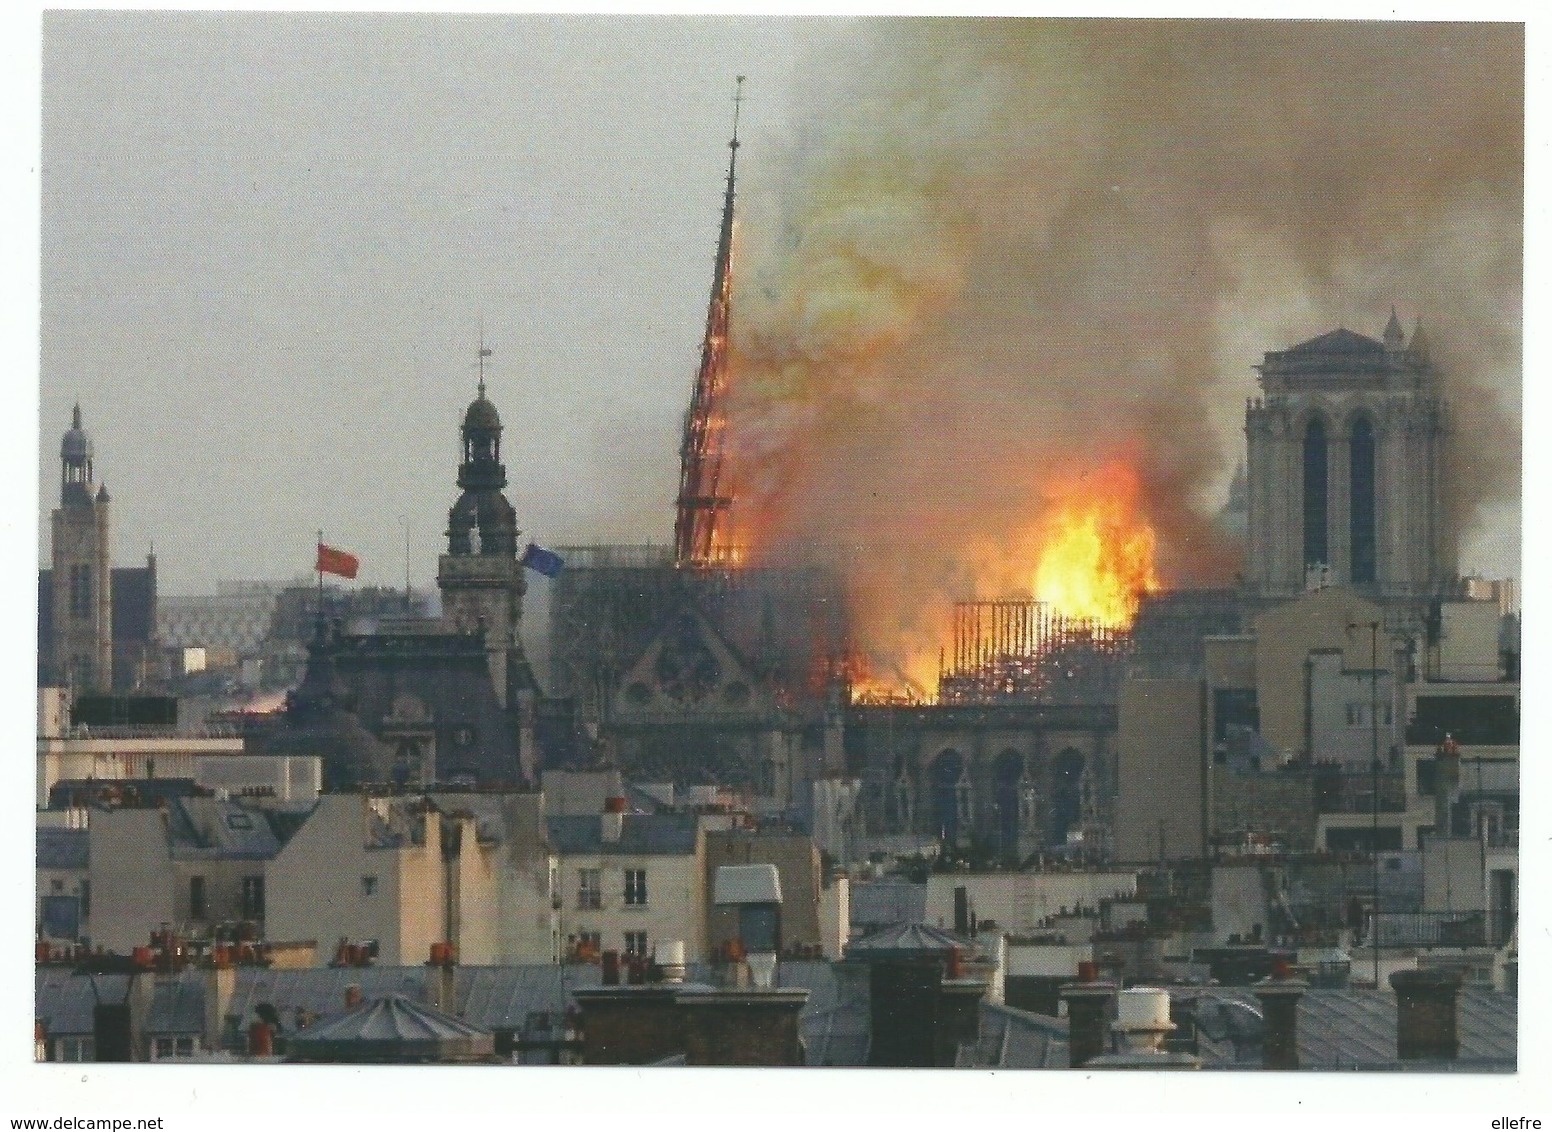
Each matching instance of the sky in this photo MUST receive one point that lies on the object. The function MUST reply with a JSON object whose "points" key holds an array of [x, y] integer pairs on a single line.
{"points": [[270, 245]]}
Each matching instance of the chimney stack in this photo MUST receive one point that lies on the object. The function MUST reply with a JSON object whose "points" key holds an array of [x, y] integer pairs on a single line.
{"points": [[961, 911], [220, 985], [613, 821], [1279, 995], [442, 978], [1142, 1023], [670, 960], [1426, 1023], [1089, 1003]]}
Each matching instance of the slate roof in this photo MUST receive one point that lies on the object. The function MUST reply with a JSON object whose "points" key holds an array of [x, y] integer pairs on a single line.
{"points": [[640, 834], [1355, 1028], [212, 828], [393, 1028], [1016, 1039], [909, 938], [834, 1021], [134, 603], [63, 1001], [177, 1006], [317, 990], [61, 848]]}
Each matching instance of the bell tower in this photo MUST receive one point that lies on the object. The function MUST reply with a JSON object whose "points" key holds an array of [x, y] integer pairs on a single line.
{"points": [[82, 579], [481, 575], [1346, 457]]}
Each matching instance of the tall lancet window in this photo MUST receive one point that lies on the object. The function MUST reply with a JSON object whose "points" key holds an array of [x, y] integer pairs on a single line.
{"points": [[1316, 546], [1362, 502]]}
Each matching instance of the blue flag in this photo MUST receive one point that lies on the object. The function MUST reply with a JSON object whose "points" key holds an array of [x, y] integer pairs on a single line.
{"points": [[545, 562]]}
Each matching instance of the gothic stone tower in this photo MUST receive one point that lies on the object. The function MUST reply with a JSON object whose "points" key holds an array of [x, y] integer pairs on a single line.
{"points": [[82, 573], [481, 576], [1345, 451]]}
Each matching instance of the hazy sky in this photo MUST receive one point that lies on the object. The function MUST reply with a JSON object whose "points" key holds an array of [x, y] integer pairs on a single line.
{"points": [[268, 242]]}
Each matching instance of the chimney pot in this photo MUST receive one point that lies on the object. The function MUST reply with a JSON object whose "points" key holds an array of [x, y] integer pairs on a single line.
{"points": [[261, 1040], [353, 996]]}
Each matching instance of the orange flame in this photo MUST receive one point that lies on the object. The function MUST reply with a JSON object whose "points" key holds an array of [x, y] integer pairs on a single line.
{"points": [[1096, 559]]}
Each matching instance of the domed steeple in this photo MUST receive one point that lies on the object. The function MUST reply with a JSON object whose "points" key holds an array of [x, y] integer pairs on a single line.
{"points": [[482, 521], [482, 415], [75, 458]]}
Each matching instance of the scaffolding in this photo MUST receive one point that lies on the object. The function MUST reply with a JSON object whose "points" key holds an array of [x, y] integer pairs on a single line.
{"points": [[1022, 651]]}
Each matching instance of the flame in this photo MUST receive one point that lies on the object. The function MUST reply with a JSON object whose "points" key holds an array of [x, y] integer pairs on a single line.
{"points": [[1097, 553]]}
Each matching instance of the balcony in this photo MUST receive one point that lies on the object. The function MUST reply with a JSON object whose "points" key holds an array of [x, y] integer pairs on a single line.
{"points": [[1440, 929]]}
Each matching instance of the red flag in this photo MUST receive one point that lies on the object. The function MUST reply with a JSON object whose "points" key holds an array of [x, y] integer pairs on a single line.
{"points": [[331, 561]]}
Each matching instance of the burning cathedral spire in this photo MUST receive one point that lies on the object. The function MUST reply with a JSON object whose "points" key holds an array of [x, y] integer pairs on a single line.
{"points": [[703, 523]]}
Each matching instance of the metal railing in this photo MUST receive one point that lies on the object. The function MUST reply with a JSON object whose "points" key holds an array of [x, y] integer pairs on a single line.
{"points": [[1441, 929]]}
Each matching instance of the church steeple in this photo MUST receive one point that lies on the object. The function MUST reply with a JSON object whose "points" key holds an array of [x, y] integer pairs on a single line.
{"points": [[1417, 352], [1394, 338], [75, 458], [482, 521], [701, 524]]}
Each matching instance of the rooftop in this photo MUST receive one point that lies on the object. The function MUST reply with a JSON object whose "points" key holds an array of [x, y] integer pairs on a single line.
{"points": [[643, 834]]}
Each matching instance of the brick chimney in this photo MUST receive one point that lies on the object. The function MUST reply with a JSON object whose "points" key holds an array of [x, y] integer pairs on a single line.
{"points": [[1426, 1023], [1089, 1007], [903, 1008], [640, 1025], [1279, 994]]}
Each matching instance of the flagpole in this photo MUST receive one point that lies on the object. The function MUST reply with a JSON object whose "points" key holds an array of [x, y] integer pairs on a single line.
{"points": [[318, 563]]}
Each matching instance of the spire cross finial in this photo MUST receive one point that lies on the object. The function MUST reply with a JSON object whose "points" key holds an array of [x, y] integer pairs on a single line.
{"points": [[484, 353], [738, 101]]}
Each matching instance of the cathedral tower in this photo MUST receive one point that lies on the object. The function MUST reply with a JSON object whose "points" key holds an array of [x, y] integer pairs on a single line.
{"points": [[1345, 451], [82, 579], [481, 575]]}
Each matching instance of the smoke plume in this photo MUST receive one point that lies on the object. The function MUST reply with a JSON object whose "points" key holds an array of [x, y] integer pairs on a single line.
{"points": [[1004, 254]]}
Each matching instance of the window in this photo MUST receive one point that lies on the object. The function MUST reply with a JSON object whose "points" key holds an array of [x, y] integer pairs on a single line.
{"points": [[198, 905], [86, 898], [636, 944], [164, 1048], [635, 887], [368, 886], [590, 887], [238, 820], [253, 898], [57, 886], [75, 1049]]}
